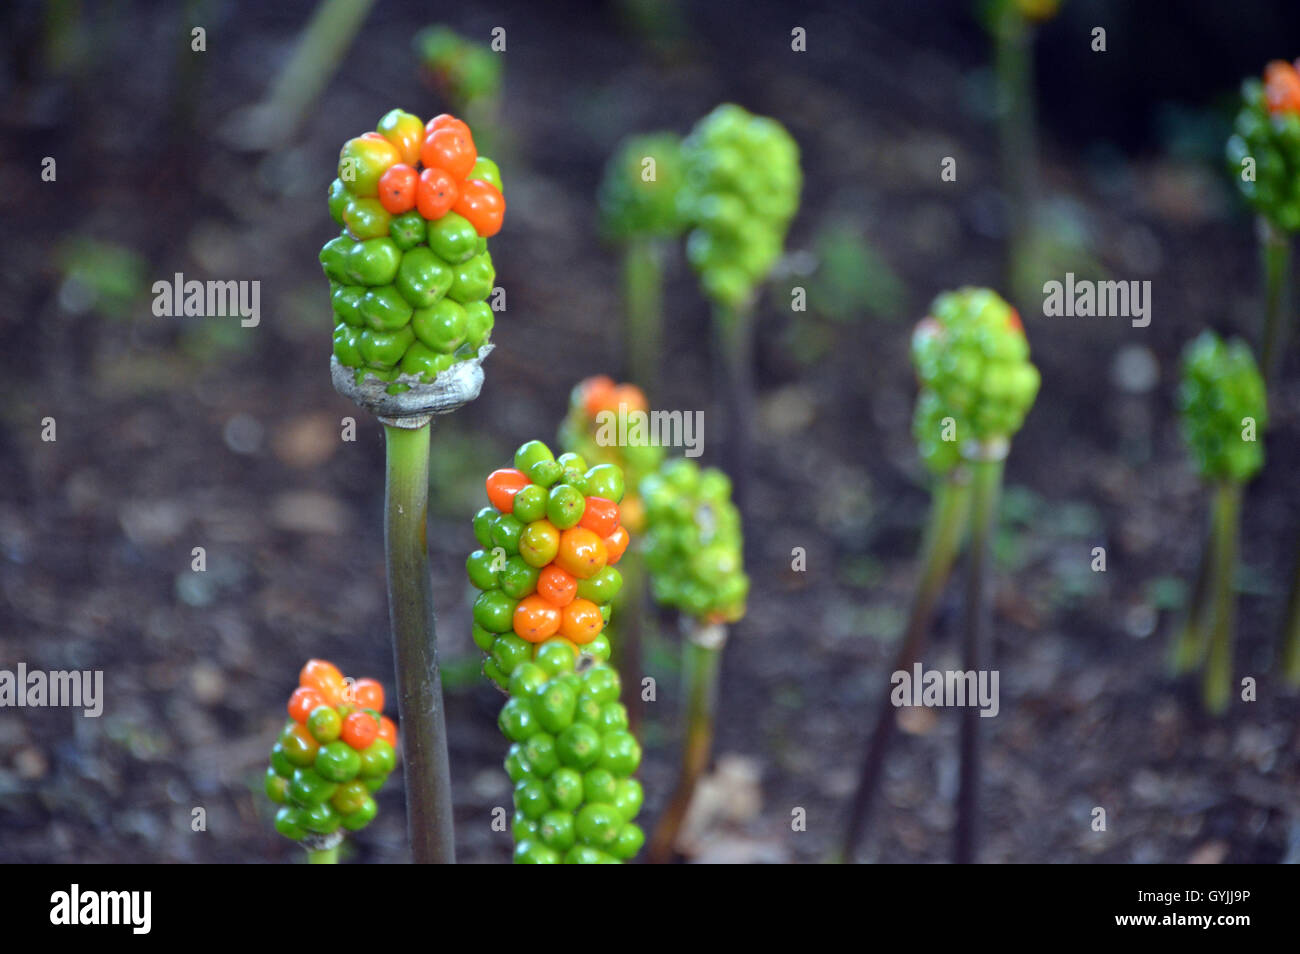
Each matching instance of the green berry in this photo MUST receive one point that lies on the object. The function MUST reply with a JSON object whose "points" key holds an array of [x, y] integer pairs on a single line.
{"points": [[555, 706], [483, 526], [495, 611], [407, 230], [481, 567], [350, 797], [578, 746], [441, 326], [555, 657], [325, 724], [288, 822], [530, 852], [309, 787], [518, 579], [558, 830], [517, 721], [605, 480], [505, 531], [620, 752], [530, 503], [378, 759], [277, 787], [452, 238], [531, 799], [527, 679], [598, 825], [599, 785], [564, 788], [363, 816], [423, 277], [338, 762]]}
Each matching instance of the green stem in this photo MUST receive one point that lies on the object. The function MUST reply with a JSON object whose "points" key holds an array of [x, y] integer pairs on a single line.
{"points": [[1217, 688], [630, 616], [987, 479], [1188, 649], [415, 647], [1291, 629], [1013, 66], [325, 856], [1276, 248], [734, 342], [700, 665], [944, 534], [643, 301]]}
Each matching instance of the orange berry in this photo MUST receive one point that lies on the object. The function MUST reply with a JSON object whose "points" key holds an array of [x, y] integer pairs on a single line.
{"points": [[368, 694], [536, 619], [449, 148], [324, 677], [596, 394], [359, 730], [388, 730], [632, 396], [599, 516], [405, 132], [447, 121], [556, 586], [1282, 87], [582, 621], [582, 552], [303, 700], [436, 193], [502, 485], [616, 543], [397, 188], [483, 205]]}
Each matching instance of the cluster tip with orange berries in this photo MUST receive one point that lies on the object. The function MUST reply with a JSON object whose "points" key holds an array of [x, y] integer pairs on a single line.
{"points": [[334, 753], [1264, 148]]}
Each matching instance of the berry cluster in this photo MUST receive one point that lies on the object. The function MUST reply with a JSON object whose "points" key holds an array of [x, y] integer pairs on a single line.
{"points": [[590, 430], [741, 191], [410, 273], [336, 750], [1267, 130], [937, 433], [549, 540], [693, 544], [462, 70], [972, 354], [1221, 388], [571, 760], [638, 194]]}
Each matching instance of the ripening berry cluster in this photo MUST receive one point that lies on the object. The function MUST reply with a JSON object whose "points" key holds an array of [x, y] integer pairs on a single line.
{"points": [[591, 430], [411, 272], [740, 192], [1267, 131], [549, 539], [571, 762], [463, 71], [335, 752], [693, 543], [1224, 408], [972, 354], [638, 195]]}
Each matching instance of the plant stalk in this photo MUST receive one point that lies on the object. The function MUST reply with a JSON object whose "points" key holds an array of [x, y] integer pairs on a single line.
{"points": [[325, 856], [1190, 644], [1013, 66], [643, 301], [1217, 688], [987, 483], [1291, 629], [415, 647], [702, 658], [628, 641], [1276, 248], [944, 533], [734, 341]]}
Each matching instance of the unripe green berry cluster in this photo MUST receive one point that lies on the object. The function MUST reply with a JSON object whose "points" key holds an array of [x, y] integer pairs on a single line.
{"points": [[741, 191], [638, 195], [571, 762], [693, 542], [1222, 400], [1271, 138], [972, 354]]}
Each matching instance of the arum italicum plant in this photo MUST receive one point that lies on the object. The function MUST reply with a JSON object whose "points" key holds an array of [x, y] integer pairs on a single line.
{"points": [[694, 550], [549, 538], [334, 754], [1224, 412], [409, 277], [938, 440], [741, 190], [972, 356], [638, 201]]}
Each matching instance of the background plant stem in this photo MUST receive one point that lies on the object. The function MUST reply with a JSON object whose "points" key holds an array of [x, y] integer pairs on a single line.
{"points": [[1276, 248], [415, 649], [700, 665], [1013, 66], [987, 482], [631, 620], [1223, 604], [944, 533], [1291, 628], [733, 335], [643, 302], [1190, 643], [325, 856]]}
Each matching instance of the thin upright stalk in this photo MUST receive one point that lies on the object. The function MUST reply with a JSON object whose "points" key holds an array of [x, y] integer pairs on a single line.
{"points": [[325, 856], [702, 658], [628, 641], [1291, 629], [1217, 688], [643, 301], [733, 335], [1190, 644], [1276, 249], [1013, 67], [987, 482], [415, 648], [944, 532]]}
